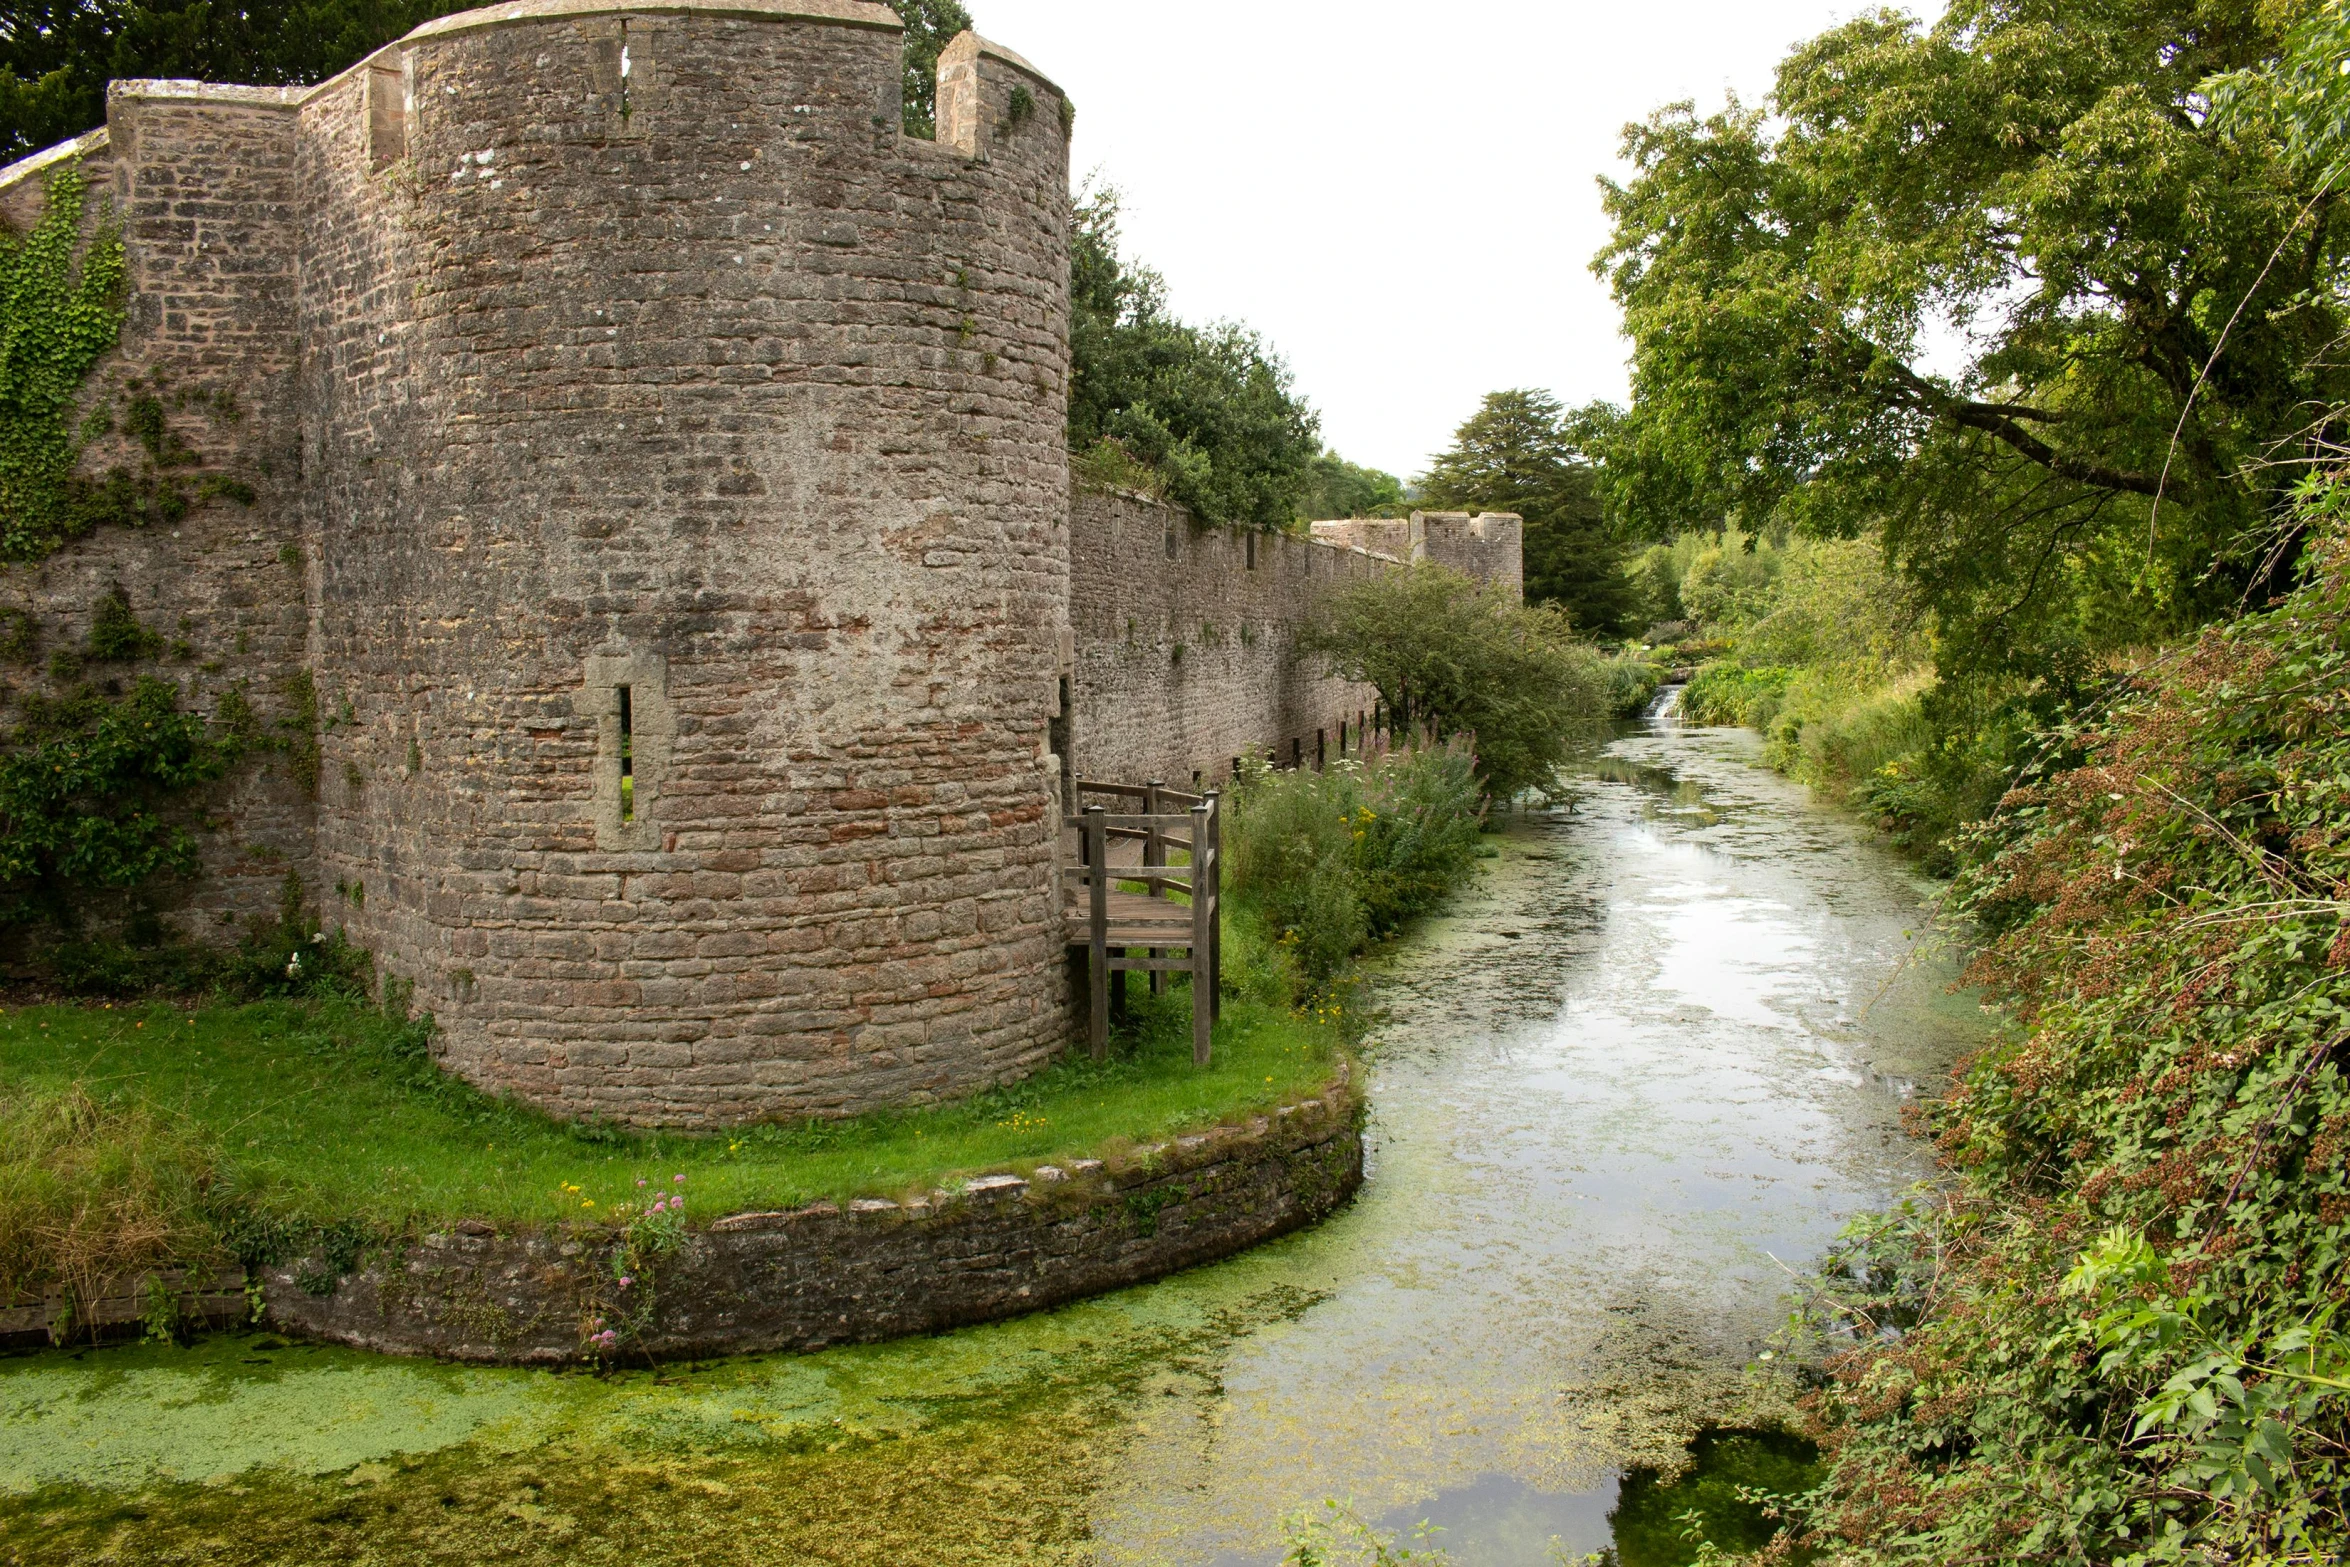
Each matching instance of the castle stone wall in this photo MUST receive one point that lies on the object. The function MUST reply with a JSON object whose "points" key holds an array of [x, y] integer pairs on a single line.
{"points": [[1185, 653], [581, 352], [200, 181], [1489, 546], [703, 375], [660, 557]]}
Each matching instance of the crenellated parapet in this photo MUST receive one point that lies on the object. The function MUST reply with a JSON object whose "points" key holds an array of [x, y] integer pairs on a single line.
{"points": [[1489, 546]]}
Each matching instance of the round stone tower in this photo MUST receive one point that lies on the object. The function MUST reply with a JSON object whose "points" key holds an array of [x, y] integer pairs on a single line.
{"points": [[687, 528]]}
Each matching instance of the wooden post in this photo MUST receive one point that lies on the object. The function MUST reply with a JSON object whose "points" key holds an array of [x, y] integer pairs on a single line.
{"points": [[1203, 946], [1097, 948], [1212, 878], [1154, 857]]}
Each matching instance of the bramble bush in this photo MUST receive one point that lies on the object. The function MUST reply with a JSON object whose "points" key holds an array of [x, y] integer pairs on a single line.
{"points": [[2115, 1337]]}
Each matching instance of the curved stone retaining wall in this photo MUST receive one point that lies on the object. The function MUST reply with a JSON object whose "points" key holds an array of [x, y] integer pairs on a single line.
{"points": [[826, 1275]]}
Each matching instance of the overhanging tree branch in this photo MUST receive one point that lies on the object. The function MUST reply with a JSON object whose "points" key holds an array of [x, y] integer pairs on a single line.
{"points": [[1999, 421]]}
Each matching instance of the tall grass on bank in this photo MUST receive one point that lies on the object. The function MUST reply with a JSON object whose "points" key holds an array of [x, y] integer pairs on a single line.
{"points": [[294, 1113], [92, 1192], [1333, 860], [1631, 678], [136, 1136]]}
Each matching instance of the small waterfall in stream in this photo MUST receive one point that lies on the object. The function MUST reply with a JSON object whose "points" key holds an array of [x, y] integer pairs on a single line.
{"points": [[1666, 703]]}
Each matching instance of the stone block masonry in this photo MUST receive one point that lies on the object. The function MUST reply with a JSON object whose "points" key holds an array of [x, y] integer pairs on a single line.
{"points": [[660, 554], [1186, 645], [1489, 546], [626, 391], [1185, 653], [821, 1275]]}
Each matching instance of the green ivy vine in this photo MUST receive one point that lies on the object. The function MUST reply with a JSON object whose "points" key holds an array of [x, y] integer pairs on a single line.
{"points": [[59, 315]]}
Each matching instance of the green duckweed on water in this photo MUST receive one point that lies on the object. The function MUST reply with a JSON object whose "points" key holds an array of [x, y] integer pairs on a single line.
{"points": [[245, 1449]]}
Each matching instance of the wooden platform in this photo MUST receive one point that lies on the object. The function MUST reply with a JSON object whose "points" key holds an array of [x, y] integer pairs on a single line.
{"points": [[1142, 890]]}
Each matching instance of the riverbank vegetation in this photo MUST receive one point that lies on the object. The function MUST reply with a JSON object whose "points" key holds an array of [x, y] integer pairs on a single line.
{"points": [[1816, 644], [1453, 656], [2115, 1334], [1328, 862], [2068, 610]]}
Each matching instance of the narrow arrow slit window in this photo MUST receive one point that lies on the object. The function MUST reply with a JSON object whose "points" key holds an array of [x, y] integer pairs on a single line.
{"points": [[627, 758]]}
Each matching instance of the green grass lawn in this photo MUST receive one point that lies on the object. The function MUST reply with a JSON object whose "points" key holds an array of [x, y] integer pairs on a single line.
{"points": [[329, 1110]]}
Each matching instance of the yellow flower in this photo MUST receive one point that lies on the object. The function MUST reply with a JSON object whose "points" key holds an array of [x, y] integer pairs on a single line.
{"points": [[590, 1203]]}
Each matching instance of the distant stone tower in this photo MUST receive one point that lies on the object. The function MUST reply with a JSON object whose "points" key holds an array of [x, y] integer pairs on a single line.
{"points": [[663, 457]]}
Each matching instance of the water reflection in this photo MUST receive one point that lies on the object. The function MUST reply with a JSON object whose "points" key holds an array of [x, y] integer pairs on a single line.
{"points": [[1616, 1087]]}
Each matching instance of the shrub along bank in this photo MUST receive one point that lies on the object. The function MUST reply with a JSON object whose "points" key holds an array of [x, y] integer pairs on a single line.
{"points": [[1328, 862], [2116, 1334], [1453, 656]]}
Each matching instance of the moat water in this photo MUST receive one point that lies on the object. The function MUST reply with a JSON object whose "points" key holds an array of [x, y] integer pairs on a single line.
{"points": [[1623, 1093]]}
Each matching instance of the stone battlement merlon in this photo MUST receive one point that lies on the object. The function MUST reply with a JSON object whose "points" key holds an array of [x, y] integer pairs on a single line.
{"points": [[88, 144]]}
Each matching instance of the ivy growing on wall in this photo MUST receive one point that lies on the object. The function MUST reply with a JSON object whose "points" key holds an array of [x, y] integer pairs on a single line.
{"points": [[100, 785], [59, 314]]}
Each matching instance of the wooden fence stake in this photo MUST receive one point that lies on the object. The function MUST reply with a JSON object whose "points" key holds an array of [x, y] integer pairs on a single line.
{"points": [[1097, 950], [1203, 984]]}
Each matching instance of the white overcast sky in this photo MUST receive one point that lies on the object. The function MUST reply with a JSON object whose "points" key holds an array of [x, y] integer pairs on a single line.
{"points": [[1400, 197]]}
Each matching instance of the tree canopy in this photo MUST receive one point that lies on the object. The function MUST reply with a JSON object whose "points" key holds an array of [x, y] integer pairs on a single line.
{"points": [[1338, 488], [1516, 454], [1203, 416], [1465, 657], [1964, 283], [56, 56]]}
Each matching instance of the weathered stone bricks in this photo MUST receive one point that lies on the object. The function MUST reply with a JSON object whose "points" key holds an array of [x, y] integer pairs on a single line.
{"points": [[694, 404]]}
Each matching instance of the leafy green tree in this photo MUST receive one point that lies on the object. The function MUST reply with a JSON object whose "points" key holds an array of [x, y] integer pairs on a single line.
{"points": [[56, 56], [1205, 415], [1338, 488], [1466, 657], [1515, 454], [2048, 179]]}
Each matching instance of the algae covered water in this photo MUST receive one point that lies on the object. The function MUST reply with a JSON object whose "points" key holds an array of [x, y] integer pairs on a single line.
{"points": [[1641, 1071]]}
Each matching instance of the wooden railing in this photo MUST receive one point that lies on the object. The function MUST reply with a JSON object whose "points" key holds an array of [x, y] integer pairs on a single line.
{"points": [[1132, 847]]}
